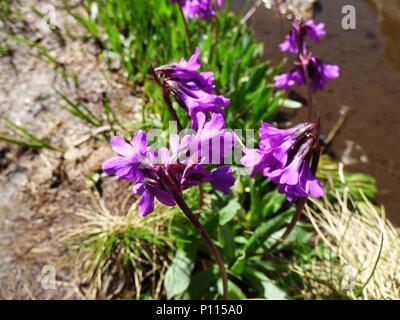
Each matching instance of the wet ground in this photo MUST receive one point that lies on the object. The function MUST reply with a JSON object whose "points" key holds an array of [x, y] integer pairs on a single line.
{"points": [[369, 85]]}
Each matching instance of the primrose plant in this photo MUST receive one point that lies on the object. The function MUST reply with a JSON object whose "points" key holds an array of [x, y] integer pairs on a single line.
{"points": [[166, 173], [287, 157]]}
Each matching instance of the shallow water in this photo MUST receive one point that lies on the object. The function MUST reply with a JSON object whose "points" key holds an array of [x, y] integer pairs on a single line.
{"points": [[369, 57]]}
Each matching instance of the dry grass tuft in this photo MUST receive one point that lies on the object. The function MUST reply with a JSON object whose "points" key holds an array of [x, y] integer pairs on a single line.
{"points": [[364, 251], [120, 255]]}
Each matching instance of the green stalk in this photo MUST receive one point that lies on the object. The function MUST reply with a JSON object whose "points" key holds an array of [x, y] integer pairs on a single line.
{"points": [[177, 195], [188, 36], [207, 239]]}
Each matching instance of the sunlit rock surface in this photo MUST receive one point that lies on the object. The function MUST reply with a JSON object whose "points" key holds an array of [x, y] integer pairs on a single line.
{"points": [[301, 9]]}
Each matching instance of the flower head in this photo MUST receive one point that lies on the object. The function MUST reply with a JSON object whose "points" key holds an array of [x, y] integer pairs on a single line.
{"points": [[308, 67], [201, 8], [284, 157], [166, 173], [193, 90], [295, 41], [320, 73], [126, 165]]}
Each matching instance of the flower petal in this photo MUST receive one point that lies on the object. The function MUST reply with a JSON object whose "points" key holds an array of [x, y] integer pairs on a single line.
{"points": [[194, 62], [290, 175], [165, 156], [146, 203], [139, 188], [119, 166], [164, 197], [139, 143], [120, 146], [331, 72], [254, 159], [222, 179]]}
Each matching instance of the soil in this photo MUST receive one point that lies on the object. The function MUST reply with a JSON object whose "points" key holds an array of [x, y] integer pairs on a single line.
{"points": [[369, 58], [41, 190]]}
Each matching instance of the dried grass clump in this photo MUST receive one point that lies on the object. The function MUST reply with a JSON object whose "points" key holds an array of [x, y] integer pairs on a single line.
{"points": [[363, 251], [120, 255]]}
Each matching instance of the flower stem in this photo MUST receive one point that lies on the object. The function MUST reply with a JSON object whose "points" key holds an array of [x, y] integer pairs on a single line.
{"points": [[215, 48], [201, 197], [310, 97], [315, 159], [206, 237], [171, 109], [167, 99], [299, 209], [188, 36]]}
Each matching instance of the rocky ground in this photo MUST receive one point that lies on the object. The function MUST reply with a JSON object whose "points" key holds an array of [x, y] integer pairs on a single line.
{"points": [[41, 190]]}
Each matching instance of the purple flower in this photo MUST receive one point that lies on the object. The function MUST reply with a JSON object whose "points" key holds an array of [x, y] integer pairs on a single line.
{"points": [[309, 69], [193, 90], [212, 142], [201, 8], [318, 73], [295, 41], [290, 79], [165, 174], [284, 156], [126, 165]]}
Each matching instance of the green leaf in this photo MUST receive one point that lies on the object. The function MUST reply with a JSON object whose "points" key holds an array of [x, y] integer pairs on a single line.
{"points": [[227, 242], [238, 266], [23, 143], [79, 110], [92, 179], [87, 23], [30, 141], [229, 211], [200, 284], [234, 292], [264, 285], [291, 104], [109, 112], [266, 229], [177, 278], [300, 236], [358, 181], [273, 201]]}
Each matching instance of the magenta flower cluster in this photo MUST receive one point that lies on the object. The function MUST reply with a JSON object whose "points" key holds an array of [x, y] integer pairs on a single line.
{"points": [[296, 40], [283, 157], [193, 90], [164, 174], [308, 70], [203, 9]]}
